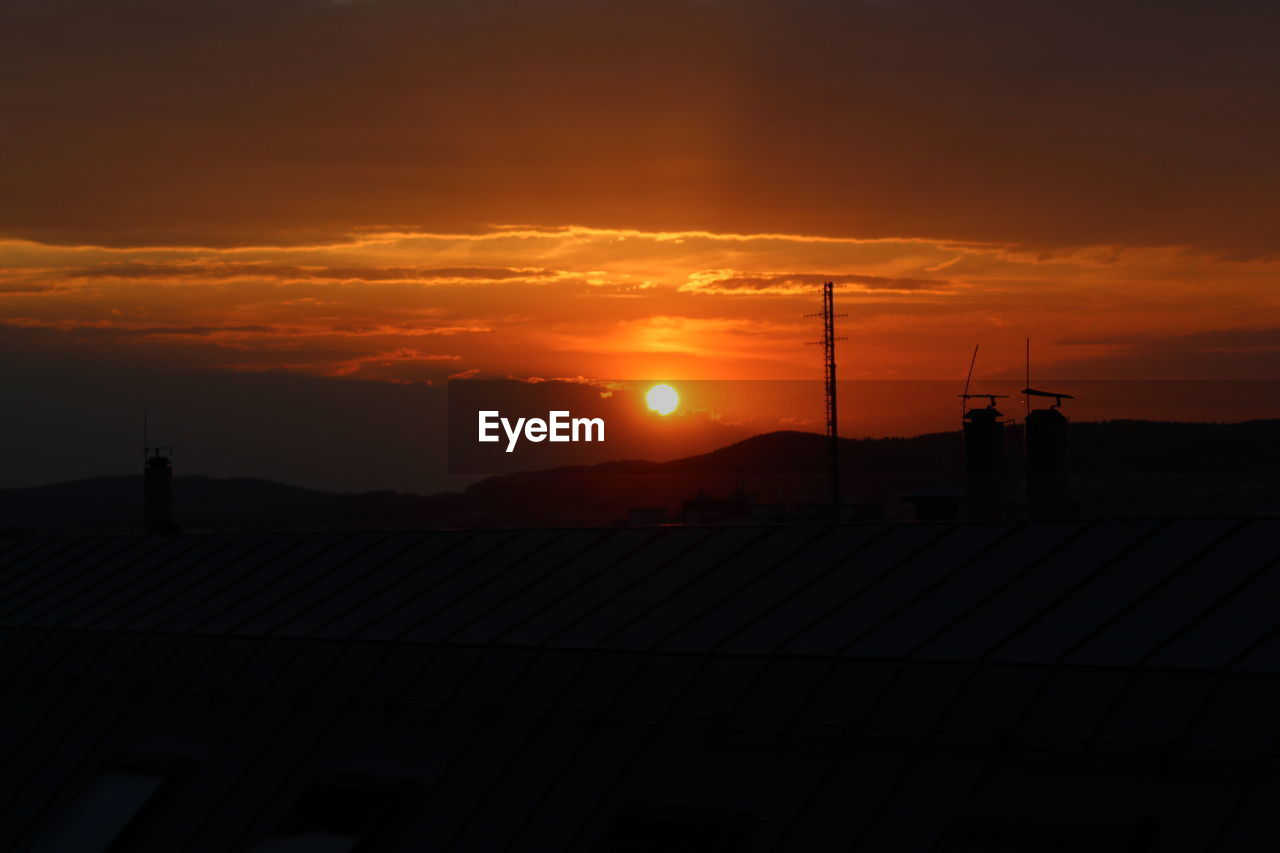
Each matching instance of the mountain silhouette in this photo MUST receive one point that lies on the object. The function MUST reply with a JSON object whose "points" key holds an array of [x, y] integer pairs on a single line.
{"points": [[114, 505], [1119, 468]]}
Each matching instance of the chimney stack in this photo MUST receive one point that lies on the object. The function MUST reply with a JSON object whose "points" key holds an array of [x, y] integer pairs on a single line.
{"points": [[984, 462], [158, 493], [1047, 458]]}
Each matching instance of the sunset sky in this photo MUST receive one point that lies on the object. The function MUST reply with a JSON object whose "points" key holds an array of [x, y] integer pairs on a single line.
{"points": [[273, 222]]}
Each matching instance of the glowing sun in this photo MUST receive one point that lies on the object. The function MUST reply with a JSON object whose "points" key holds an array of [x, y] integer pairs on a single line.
{"points": [[662, 399]]}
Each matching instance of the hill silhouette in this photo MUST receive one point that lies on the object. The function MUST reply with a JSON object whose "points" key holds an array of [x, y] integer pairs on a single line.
{"points": [[1119, 468], [114, 505]]}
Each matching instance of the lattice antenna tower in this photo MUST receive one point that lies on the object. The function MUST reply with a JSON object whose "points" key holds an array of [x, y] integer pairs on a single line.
{"points": [[828, 344]]}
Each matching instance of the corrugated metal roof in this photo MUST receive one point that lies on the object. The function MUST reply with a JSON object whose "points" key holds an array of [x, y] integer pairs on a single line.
{"points": [[826, 680], [1184, 593]]}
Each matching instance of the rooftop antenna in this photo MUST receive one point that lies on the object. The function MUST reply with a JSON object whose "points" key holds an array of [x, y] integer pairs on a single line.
{"points": [[1028, 392], [1027, 384], [966, 396], [147, 450], [1058, 398], [982, 437], [968, 378], [828, 344]]}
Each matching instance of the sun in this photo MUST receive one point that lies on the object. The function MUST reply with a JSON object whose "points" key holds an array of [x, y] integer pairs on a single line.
{"points": [[662, 399]]}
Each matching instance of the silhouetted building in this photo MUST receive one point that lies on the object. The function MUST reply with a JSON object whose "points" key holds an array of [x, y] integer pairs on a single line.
{"points": [[704, 509], [1033, 686], [1047, 464], [158, 495], [984, 463]]}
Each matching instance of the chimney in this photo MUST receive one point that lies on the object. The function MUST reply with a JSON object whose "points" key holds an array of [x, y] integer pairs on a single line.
{"points": [[158, 493], [1046, 463], [984, 462]]}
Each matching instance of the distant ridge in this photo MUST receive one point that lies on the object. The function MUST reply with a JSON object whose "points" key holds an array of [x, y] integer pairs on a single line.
{"points": [[1120, 468], [1198, 446], [114, 505]]}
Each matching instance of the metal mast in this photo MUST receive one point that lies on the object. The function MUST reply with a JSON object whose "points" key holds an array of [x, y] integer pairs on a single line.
{"points": [[828, 344]]}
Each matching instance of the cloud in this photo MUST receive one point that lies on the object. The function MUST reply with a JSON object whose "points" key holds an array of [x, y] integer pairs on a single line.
{"points": [[791, 284], [214, 270], [1040, 124], [1210, 340], [109, 329], [1213, 355], [173, 331], [387, 365], [316, 307]]}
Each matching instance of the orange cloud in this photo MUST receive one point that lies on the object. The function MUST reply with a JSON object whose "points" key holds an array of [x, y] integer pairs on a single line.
{"points": [[570, 300], [794, 284]]}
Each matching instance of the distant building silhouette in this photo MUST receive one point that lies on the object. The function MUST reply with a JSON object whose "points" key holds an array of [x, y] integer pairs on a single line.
{"points": [[705, 509], [158, 493]]}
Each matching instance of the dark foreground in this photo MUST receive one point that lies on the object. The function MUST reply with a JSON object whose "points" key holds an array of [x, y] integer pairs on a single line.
{"points": [[1075, 685]]}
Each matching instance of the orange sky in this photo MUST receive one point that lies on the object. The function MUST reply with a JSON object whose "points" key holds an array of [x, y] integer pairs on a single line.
{"points": [[403, 191], [607, 303]]}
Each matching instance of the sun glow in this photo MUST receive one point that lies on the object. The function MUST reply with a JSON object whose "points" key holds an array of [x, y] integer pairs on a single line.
{"points": [[662, 399]]}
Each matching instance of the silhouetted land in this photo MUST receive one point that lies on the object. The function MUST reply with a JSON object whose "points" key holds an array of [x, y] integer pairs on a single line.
{"points": [[114, 505], [1119, 468]]}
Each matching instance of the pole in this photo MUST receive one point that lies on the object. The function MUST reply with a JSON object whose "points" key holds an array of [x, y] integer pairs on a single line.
{"points": [[828, 344], [833, 429]]}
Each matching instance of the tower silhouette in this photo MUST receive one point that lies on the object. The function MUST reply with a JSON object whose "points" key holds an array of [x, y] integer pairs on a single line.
{"points": [[828, 344], [157, 486]]}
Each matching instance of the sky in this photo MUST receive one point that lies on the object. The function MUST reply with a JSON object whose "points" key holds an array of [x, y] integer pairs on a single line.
{"points": [[282, 226]]}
